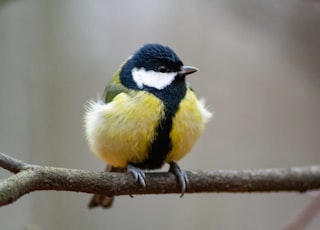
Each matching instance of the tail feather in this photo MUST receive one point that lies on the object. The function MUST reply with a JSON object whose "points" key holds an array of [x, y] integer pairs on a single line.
{"points": [[104, 201]]}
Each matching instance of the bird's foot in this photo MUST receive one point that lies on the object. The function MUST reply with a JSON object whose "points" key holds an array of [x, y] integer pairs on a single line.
{"points": [[138, 175], [181, 176]]}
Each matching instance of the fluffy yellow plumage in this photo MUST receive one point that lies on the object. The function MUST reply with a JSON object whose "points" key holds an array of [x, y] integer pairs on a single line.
{"points": [[187, 126], [122, 130]]}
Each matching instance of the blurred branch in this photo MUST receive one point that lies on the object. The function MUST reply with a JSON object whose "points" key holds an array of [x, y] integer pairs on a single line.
{"points": [[29, 178], [305, 216]]}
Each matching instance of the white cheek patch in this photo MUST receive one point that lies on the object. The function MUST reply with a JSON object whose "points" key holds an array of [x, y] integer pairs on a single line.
{"points": [[152, 78]]}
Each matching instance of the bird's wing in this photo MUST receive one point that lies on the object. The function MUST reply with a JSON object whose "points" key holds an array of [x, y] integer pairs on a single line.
{"points": [[114, 88]]}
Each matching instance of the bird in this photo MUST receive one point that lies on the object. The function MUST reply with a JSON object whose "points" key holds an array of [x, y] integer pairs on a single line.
{"points": [[148, 116]]}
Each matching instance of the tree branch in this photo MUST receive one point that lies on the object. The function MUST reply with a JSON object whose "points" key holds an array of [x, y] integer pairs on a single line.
{"points": [[29, 178]]}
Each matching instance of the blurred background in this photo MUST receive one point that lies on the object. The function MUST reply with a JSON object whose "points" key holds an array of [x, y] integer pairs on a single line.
{"points": [[259, 72]]}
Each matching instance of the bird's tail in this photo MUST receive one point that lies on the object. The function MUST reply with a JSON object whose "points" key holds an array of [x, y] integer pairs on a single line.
{"points": [[104, 201]]}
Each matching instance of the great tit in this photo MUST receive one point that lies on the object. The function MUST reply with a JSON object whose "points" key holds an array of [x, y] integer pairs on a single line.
{"points": [[149, 116]]}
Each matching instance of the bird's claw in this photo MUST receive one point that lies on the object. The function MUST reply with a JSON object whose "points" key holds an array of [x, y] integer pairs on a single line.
{"points": [[181, 176], [138, 175]]}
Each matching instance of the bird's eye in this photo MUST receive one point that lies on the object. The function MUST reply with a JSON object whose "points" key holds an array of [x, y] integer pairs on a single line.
{"points": [[162, 69]]}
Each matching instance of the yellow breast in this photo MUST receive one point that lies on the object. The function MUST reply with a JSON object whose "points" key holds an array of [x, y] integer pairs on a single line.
{"points": [[187, 125], [121, 131]]}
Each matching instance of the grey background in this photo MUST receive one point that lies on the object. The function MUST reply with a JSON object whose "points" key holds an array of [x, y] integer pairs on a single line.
{"points": [[259, 72]]}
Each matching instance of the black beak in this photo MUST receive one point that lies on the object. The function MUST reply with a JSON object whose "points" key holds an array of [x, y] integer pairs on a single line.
{"points": [[185, 70]]}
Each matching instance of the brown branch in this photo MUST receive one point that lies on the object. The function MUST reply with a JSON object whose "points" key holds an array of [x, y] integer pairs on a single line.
{"points": [[29, 178]]}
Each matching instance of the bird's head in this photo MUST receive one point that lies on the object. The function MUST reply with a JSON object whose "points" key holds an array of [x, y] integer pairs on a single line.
{"points": [[154, 67]]}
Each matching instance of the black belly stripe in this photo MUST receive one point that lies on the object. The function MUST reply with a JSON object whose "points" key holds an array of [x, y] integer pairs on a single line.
{"points": [[162, 145]]}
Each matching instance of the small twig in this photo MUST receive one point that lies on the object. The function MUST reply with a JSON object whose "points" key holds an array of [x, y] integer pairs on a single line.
{"points": [[11, 164]]}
